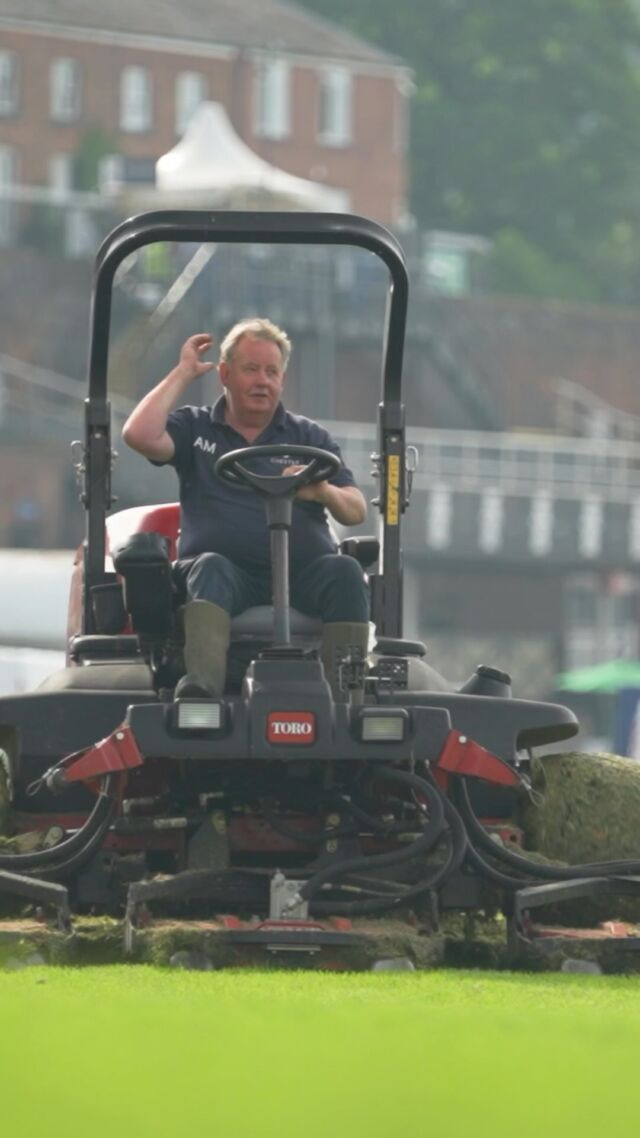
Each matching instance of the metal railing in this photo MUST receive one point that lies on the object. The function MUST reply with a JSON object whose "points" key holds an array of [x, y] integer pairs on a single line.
{"points": [[517, 464], [38, 405]]}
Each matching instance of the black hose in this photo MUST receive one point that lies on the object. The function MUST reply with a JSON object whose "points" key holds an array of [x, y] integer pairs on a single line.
{"points": [[421, 845], [526, 865], [81, 857], [305, 837], [373, 885], [314, 838], [98, 820], [490, 873], [380, 904], [382, 829], [457, 839]]}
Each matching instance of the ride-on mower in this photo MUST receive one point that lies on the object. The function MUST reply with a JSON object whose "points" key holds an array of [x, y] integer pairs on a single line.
{"points": [[291, 818]]}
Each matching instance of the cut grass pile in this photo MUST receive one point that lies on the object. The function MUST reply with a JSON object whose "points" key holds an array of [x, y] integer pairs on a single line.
{"points": [[149, 1052]]}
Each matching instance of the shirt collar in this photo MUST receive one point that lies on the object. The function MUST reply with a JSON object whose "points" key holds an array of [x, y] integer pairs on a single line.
{"points": [[278, 419]]}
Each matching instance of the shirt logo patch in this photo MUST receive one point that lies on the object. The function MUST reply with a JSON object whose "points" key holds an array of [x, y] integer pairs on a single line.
{"points": [[208, 448]]}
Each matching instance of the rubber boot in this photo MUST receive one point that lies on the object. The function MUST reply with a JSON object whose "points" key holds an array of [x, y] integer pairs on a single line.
{"points": [[339, 640], [206, 640]]}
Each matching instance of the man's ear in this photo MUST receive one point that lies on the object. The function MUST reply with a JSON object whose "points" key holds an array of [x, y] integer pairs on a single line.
{"points": [[223, 372]]}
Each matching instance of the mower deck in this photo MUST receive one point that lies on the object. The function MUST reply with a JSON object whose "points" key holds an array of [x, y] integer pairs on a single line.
{"points": [[461, 942]]}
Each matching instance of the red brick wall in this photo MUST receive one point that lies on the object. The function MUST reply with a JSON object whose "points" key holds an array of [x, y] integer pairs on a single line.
{"points": [[369, 169]]}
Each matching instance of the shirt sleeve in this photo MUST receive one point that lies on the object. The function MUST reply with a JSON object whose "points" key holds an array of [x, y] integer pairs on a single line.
{"points": [[319, 437], [180, 427]]}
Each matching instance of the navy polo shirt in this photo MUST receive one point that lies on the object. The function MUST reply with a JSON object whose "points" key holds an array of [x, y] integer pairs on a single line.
{"points": [[220, 518]]}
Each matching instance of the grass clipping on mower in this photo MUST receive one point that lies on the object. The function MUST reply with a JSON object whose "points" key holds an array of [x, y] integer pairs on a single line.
{"points": [[586, 808]]}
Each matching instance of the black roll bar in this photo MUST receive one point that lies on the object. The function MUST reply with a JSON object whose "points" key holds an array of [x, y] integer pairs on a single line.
{"points": [[252, 227]]}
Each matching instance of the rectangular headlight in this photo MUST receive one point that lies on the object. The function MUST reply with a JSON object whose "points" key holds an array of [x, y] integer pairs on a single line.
{"points": [[380, 726], [198, 715]]}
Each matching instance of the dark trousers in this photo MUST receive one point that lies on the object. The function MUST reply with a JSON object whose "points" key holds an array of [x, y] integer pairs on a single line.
{"points": [[331, 587]]}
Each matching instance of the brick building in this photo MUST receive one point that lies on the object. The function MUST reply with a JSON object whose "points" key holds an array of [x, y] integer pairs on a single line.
{"points": [[124, 79]]}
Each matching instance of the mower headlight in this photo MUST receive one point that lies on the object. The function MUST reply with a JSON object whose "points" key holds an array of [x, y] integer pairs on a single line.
{"points": [[198, 715], [383, 725]]}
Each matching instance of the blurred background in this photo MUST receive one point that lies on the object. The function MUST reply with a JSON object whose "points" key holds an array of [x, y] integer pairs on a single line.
{"points": [[500, 143]]}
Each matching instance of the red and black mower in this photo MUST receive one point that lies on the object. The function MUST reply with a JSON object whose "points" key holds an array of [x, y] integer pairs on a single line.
{"points": [[289, 821]]}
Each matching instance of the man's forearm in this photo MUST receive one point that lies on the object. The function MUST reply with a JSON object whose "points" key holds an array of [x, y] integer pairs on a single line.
{"points": [[346, 504], [147, 422]]}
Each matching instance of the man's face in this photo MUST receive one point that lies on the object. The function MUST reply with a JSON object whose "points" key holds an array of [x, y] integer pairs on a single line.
{"points": [[253, 379]]}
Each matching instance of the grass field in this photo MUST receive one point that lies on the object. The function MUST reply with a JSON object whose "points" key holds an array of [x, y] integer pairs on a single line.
{"points": [[140, 1051]]}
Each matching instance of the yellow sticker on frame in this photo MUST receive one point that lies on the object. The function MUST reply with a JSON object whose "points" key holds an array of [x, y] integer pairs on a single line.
{"points": [[393, 489]]}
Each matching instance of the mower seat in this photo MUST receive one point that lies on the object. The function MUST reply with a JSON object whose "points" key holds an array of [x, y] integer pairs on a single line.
{"points": [[255, 624]]}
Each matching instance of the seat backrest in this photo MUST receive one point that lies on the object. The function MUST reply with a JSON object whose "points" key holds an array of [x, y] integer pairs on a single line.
{"points": [[164, 519]]}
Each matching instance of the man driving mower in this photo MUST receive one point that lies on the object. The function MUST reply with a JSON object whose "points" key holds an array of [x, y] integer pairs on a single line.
{"points": [[223, 564]]}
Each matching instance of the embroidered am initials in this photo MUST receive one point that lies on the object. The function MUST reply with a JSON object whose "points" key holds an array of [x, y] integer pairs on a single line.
{"points": [[208, 448]]}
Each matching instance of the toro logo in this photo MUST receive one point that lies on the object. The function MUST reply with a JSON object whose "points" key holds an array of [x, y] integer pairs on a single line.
{"points": [[295, 727]]}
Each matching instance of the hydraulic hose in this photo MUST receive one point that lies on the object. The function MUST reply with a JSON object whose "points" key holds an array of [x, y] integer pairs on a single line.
{"points": [[490, 873], [421, 845], [457, 840], [59, 856], [313, 838], [524, 864], [81, 856]]}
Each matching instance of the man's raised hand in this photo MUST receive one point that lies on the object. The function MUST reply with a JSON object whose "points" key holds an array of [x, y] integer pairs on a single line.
{"points": [[191, 362]]}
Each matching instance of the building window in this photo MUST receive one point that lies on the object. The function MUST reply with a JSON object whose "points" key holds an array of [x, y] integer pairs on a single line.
{"points": [[335, 107], [273, 99], [61, 167], [65, 91], [191, 91], [8, 82], [136, 100], [8, 177]]}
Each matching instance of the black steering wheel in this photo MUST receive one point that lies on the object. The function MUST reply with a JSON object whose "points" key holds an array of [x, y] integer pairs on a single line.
{"points": [[319, 465]]}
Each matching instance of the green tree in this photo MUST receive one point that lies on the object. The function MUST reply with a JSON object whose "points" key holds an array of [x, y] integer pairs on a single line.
{"points": [[526, 121], [94, 145]]}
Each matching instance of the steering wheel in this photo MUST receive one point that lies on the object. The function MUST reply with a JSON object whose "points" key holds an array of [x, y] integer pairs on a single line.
{"points": [[320, 464]]}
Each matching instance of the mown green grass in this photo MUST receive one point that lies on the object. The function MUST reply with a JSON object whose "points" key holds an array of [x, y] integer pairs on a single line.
{"points": [[137, 1051]]}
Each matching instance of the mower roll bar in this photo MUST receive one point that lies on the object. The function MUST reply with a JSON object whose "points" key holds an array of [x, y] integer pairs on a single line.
{"points": [[252, 227]]}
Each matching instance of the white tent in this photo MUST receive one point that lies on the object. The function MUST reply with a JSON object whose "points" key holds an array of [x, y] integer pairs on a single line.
{"points": [[211, 165]]}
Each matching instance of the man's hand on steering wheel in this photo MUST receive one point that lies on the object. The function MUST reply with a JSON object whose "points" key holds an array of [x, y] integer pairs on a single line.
{"points": [[314, 492], [345, 503]]}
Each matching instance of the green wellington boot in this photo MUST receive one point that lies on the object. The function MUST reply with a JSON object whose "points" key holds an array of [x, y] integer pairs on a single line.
{"points": [[339, 640], [206, 640]]}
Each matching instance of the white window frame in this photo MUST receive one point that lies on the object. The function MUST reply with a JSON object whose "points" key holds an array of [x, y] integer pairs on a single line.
{"points": [[190, 91], [9, 162], [273, 99], [61, 173], [136, 100], [335, 106], [65, 89], [9, 82]]}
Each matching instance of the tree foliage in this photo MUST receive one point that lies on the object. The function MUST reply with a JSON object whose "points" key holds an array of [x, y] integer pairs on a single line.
{"points": [[526, 129]]}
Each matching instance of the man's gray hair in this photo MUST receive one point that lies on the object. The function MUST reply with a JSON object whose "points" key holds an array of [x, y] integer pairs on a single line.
{"points": [[257, 328]]}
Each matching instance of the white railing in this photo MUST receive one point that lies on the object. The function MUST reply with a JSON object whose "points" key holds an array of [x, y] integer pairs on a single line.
{"points": [[515, 464], [511, 463]]}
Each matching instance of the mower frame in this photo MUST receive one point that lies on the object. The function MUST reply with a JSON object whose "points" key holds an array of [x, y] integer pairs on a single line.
{"points": [[243, 227]]}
